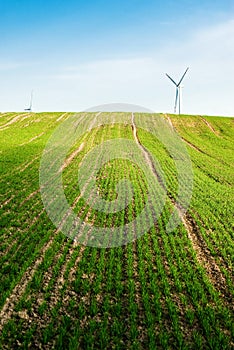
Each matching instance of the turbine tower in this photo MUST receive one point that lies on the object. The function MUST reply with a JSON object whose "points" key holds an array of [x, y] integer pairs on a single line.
{"points": [[30, 107], [178, 90]]}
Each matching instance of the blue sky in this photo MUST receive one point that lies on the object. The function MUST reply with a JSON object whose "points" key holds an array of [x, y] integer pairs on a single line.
{"points": [[77, 54]]}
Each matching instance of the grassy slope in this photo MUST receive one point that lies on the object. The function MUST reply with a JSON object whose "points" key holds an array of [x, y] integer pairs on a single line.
{"points": [[151, 293]]}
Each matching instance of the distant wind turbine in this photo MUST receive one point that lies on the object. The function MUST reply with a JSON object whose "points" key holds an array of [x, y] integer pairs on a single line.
{"points": [[30, 107], [178, 90]]}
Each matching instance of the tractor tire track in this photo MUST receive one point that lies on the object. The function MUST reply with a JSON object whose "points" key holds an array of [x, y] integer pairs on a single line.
{"points": [[146, 155], [186, 141], [193, 146], [61, 117], [14, 120], [8, 308], [71, 157], [204, 256], [209, 126], [56, 292], [18, 291], [32, 139]]}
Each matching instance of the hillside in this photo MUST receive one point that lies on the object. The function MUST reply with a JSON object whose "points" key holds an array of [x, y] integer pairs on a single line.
{"points": [[146, 265]]}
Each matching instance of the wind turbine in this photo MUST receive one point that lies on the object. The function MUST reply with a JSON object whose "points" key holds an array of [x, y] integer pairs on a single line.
{"points": [[178, 90], [30, 107]]}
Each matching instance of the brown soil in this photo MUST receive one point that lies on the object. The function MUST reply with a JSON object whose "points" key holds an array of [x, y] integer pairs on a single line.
{"points": [[169, 120], [209, 126], [192, 145], [55, 296], [203, 254], [7, 201], [14, 120], [61, 117], [187, 142], [32, 139], [21, 169], [71, 157], [29, 197], [146, 154], [8, 308]]}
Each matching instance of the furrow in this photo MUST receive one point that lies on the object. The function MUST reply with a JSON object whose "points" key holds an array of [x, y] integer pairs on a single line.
{"points": [[18, 291], [209, 126], [203, 254]]}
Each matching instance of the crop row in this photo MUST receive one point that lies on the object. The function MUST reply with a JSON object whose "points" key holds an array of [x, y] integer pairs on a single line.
{"points": [[150, 293]]}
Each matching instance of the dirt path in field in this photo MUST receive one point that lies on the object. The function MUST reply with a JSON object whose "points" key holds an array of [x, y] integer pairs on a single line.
{"points": [[169, 121], [71, 157], [8, 308], [32, 139], [25, 166], [7, 201], [14, 120], [61, 117], [192, 145], [146, 154], [209, 126], [32, 194], [77, 151], [56, 292], [94, 120], [2, 114], [19, 289], [203, 119], [199, 245], [187, 142], [204, 256]]}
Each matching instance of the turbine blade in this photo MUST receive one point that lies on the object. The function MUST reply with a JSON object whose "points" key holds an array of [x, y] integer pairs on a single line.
{"points": [[171, 79], [176, 99], [182, 77]]}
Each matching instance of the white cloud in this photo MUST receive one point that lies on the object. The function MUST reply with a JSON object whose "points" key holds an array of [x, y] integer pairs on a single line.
{"points": [[211, 56], [208, 86]]}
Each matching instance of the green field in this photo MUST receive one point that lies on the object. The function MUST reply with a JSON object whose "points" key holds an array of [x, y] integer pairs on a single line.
{"points": [[164, 290]]}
